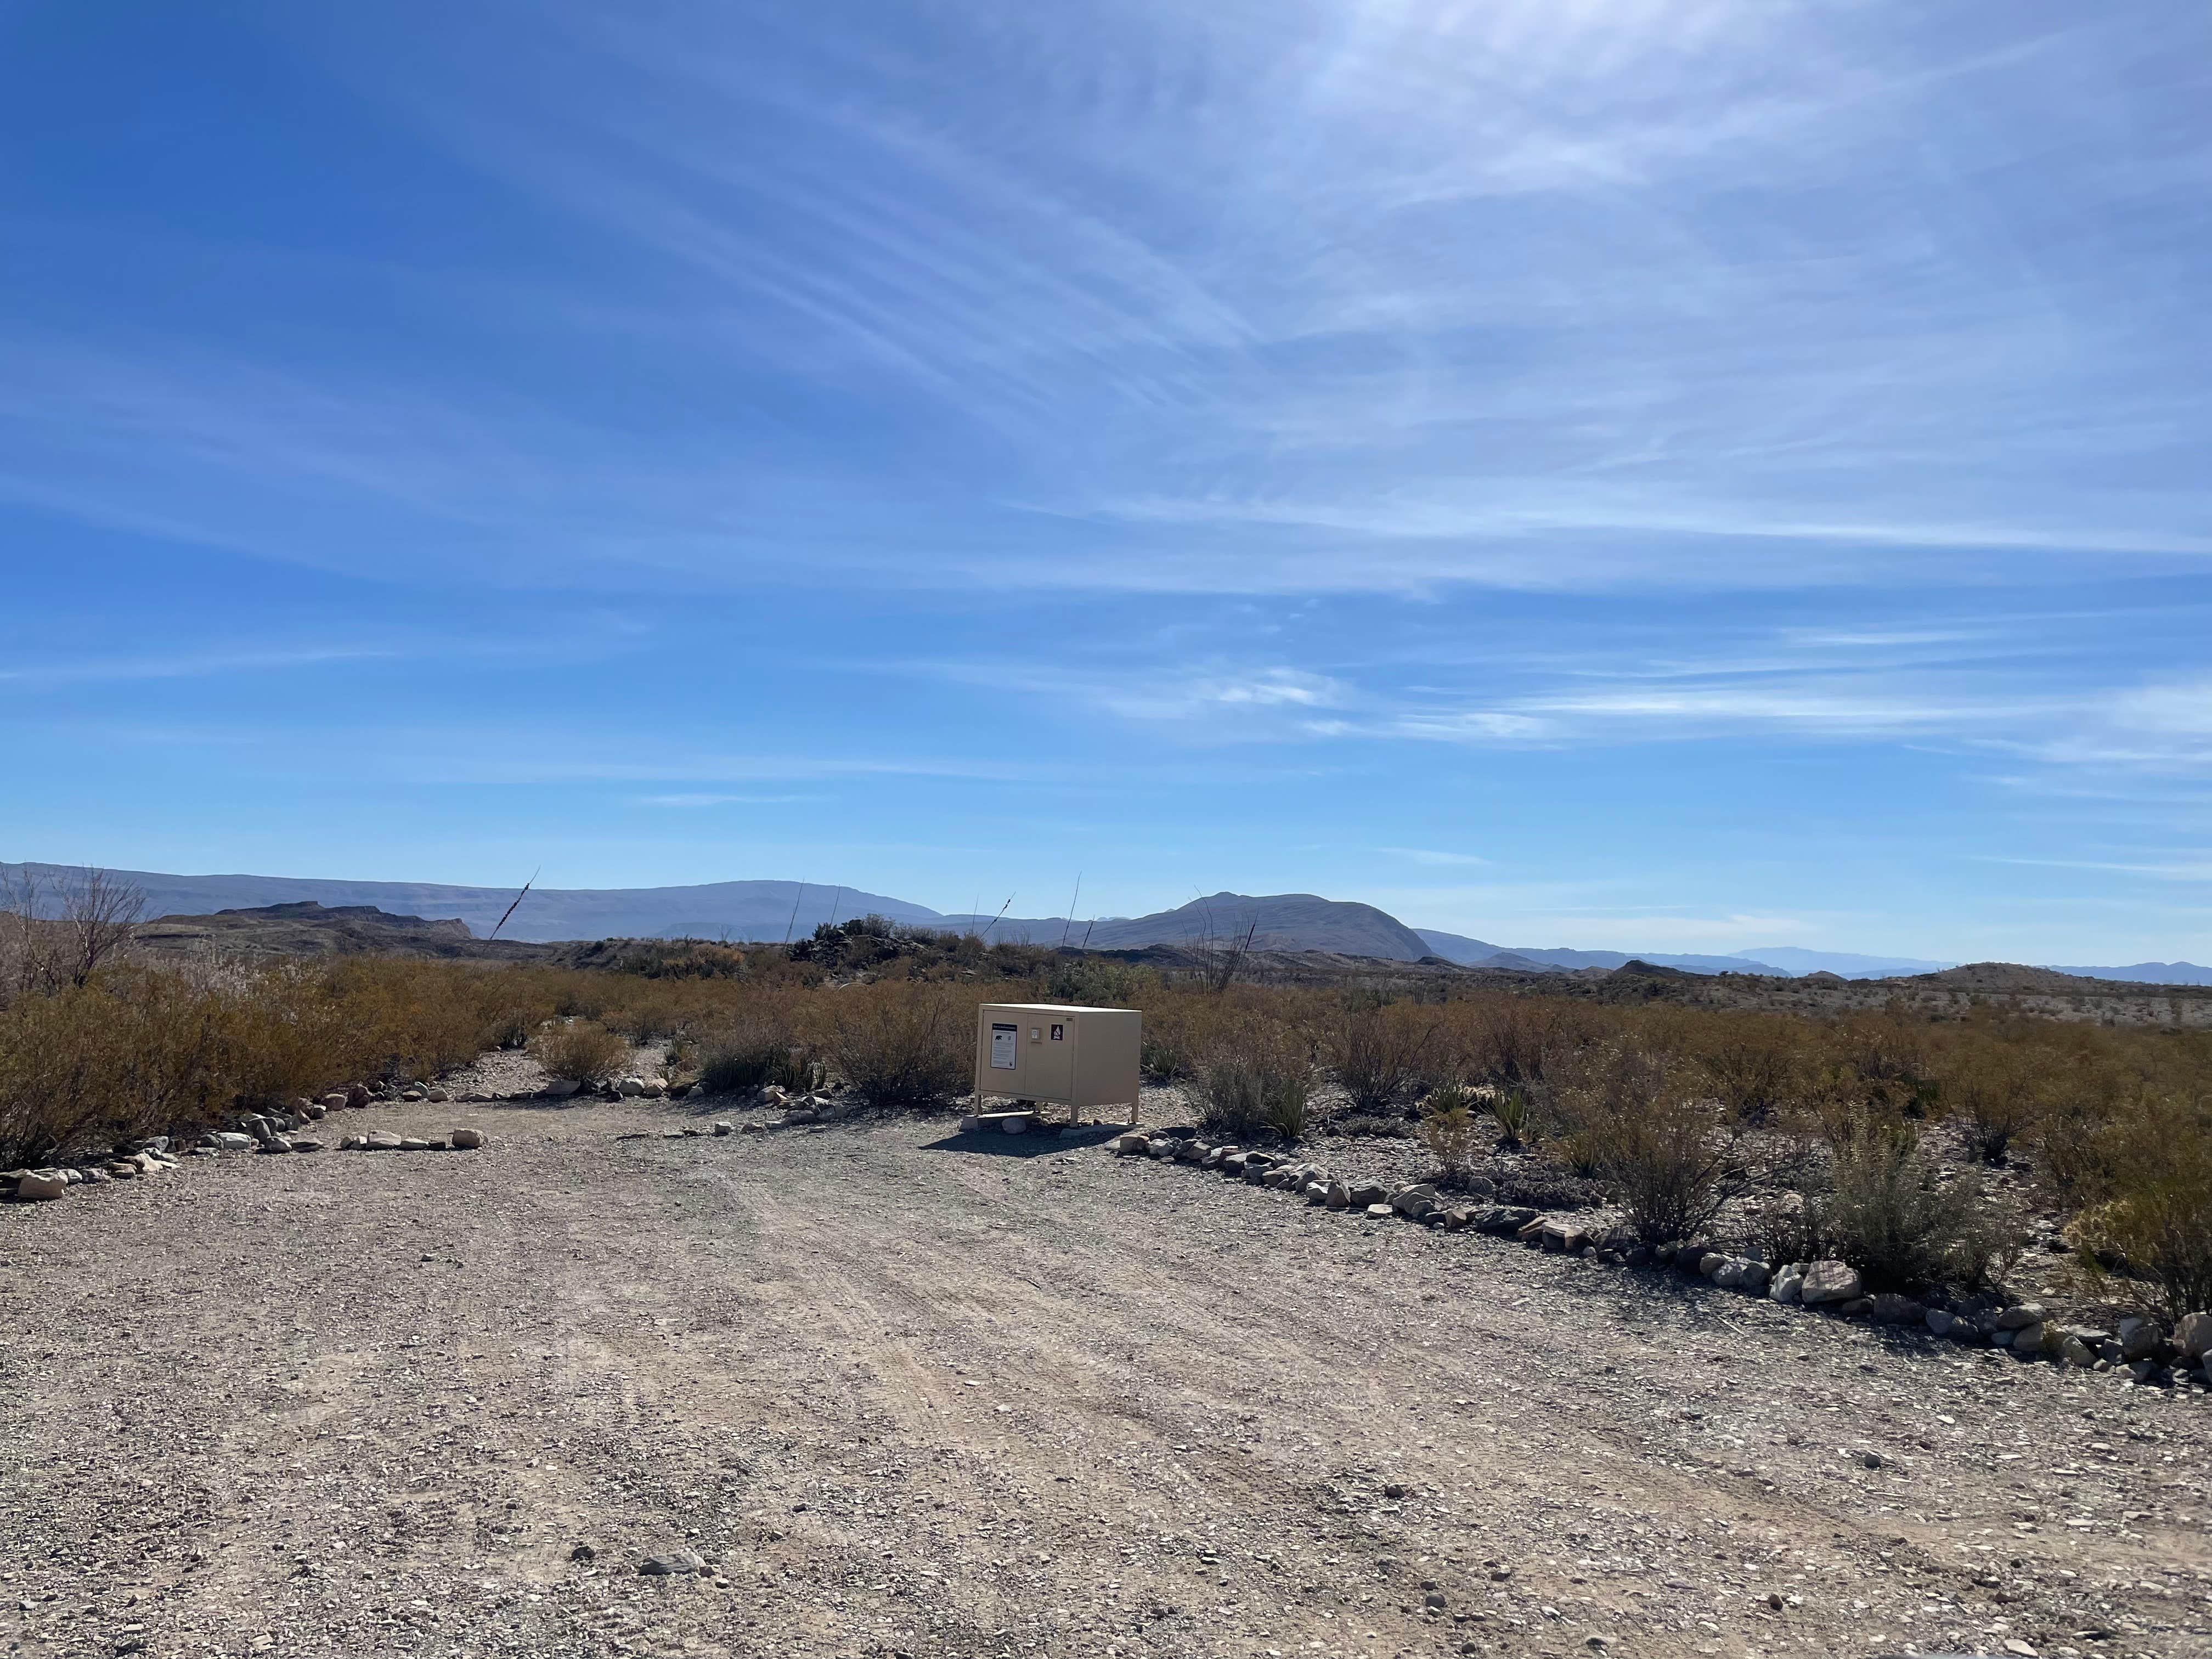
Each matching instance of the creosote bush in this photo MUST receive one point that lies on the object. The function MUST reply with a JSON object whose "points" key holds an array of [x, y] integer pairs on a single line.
{"points": [[1256, 1075], [579, 1050], [1670, 1156], [1382, 1054], [901, 1044], [2157, 1216]]}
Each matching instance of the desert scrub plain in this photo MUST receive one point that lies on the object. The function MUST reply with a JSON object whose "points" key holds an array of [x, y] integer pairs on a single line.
{"points": [[870, 1385]]}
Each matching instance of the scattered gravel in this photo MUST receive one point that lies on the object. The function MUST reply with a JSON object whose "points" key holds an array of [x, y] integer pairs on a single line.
{"points": [[887, 1389]]}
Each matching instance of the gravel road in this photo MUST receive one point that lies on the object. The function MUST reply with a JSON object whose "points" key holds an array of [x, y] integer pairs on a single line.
{"points": [[905, 1393]]}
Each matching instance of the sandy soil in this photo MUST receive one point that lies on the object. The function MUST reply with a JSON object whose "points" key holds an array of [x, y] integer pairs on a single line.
{"points": [[909, 1394]]}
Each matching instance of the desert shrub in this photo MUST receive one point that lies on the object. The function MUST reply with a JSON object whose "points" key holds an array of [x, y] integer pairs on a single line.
{"points": [[582, 1050], [1631, 1116], [739, 1060], [903, 1043], [1099, 982], [1170, 1040], [1515, 1114], [2158, 1219], [1886, 1213], [1749, 1063], [1988, 1089], [1255, 1073], [1499, 1038], [1787, 1229], [1451, 1131], [1381, 1054]]}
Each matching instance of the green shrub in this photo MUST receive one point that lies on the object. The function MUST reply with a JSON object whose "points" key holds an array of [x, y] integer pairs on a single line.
{"points": [[1514, 1115], [1887, 1212], [1451, 1131]]}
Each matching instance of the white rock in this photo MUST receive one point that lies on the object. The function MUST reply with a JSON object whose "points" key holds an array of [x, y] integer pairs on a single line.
{"points": [[2193, 1335], [34, 1186]]}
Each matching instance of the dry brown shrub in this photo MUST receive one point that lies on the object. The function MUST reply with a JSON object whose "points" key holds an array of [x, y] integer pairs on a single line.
{"points": [[1671, 1155], [581, 1050], [1381, 1055], [904, 1042], [2156, 1218], [1502, 1038], [1255, 1073]]}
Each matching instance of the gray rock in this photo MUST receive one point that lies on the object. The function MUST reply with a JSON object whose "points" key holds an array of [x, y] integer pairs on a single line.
{"points": [[335, 1101], [1891, 1309], [414, 1144], [2074, 1352], [671, 1563], [1829, 1282], [276, 1144], [1503, 1218], [2019, 1318], [1380, 1211], [630, 1087], [437, 1096], [306, 1144], [229, 1140], [1786, 1287], [382, 1141], [2139, 1339], [1415, 1201], [559, 1088], [465, 1139], [1340, 1196], [1939, 1322], [1857, 1308], [1755, 1275], [1366, 1193], [724, 1128]]}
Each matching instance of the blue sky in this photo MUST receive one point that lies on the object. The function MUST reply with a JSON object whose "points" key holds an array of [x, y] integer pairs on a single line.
{"points": [[1669, 476]]}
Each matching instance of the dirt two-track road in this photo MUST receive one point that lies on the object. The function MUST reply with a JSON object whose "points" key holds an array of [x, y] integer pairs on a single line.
{"points": [[902, 1392]]}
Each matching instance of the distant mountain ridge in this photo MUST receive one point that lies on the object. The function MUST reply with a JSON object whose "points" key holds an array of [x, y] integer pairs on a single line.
{"points": [[1476, 953], [750, 910]]}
